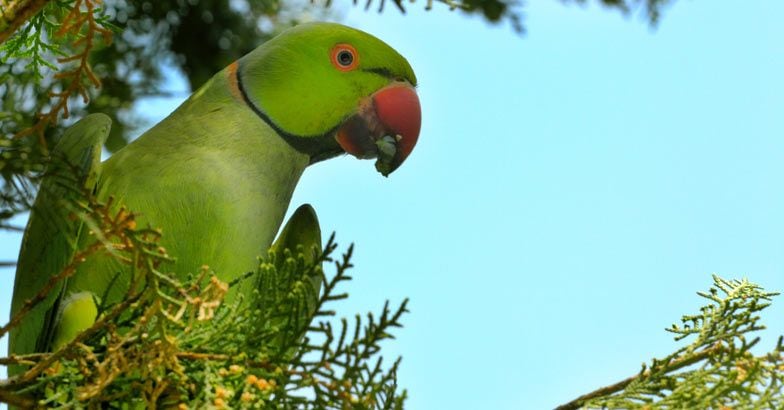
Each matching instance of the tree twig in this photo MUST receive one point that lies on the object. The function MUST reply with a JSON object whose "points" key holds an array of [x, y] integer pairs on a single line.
{"points": [[16, 400], [73, 23], [14, 14], [22, 359], [616, 387]]}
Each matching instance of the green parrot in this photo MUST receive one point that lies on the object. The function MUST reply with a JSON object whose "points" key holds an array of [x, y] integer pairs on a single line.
{"points": [[216, 176]]}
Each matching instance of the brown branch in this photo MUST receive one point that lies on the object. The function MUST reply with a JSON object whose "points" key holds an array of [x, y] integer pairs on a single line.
{"points": [[204, 356], [616, 387], [15, 14], [27, 359], [16, 400]]}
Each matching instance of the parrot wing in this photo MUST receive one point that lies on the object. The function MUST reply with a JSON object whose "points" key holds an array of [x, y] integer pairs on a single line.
{"points": [[302, 229], [51, 238]]}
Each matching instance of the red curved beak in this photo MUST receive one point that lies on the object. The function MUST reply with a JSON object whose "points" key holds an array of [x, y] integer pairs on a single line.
{"points": [[386, 127]]}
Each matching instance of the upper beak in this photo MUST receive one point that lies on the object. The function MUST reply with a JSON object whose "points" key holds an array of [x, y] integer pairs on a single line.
{"points": [[385, 127]]}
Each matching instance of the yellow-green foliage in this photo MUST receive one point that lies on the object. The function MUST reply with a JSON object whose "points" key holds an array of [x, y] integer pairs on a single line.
{"points": [[717, 370]]}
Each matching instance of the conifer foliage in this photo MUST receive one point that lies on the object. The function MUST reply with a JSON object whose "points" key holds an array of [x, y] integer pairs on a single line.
{"points": [[172, 343], [717, 370]]}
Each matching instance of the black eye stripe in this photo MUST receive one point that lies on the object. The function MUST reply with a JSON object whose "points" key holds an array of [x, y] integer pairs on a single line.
{"points": [[381, 71]]}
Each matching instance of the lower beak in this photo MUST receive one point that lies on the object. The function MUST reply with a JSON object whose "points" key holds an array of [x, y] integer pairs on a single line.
{"points": [[386, 126]]}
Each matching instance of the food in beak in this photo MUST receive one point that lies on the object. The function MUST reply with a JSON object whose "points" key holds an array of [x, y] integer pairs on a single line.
{"points": [[386, 126]]}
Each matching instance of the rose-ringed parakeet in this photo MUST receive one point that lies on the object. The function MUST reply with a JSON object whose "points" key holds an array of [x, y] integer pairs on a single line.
{"points": [[216, 176]]}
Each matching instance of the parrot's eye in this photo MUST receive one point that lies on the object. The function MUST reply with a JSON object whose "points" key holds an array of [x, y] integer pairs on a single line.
{"points": [[344, 57]]}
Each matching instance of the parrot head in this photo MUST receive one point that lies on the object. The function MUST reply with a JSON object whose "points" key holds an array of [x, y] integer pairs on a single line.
{"points": [[329, 89]]}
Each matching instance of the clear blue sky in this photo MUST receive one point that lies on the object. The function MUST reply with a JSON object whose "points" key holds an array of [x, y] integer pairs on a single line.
{"points": [[571, 190]]}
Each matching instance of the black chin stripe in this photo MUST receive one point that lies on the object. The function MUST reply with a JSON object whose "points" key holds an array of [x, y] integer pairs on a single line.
{"points": [[318, 147]]}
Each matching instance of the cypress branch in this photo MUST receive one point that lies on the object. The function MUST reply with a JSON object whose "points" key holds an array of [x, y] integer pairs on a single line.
{"points": [[716, 370]]}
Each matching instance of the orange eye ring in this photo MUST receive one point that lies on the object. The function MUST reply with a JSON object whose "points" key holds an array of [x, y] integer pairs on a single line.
{"points": [[344, 57]]}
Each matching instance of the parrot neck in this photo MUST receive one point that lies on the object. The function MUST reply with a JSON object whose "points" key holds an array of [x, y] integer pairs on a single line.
{"points": [[317, 147], [215, 165], [214, 129]]}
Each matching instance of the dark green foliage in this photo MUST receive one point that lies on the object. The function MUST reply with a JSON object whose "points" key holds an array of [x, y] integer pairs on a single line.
{"points": [[494, 11], [21, 167], [497, 11], [199, 38], [653, 8]]}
